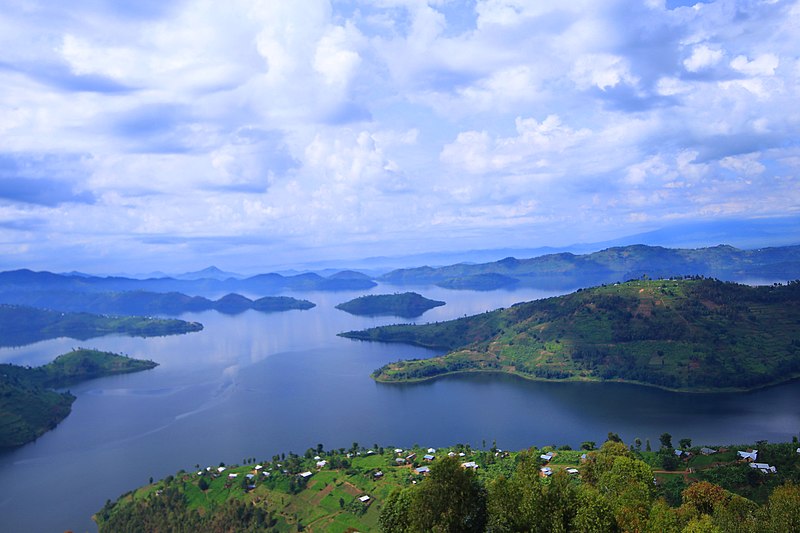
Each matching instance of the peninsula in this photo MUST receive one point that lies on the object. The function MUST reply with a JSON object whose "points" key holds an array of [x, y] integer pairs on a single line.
{"points": [[405, 305], [28, 405], [698, 335], [21, 325]]}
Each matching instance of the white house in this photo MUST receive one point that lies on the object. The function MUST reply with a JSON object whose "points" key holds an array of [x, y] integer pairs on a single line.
{"points": [[306, 475], [364, 499], [748, 456], [470, 464]]}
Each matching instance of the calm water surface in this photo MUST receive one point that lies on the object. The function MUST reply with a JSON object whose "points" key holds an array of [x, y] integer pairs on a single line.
{"points": [[254, 384]]}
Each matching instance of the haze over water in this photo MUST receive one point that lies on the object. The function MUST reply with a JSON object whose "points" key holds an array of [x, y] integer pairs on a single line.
{"points": [[254, 384]]}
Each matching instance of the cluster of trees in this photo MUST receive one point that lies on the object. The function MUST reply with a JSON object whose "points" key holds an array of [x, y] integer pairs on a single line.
{"points": [[615, 493]]}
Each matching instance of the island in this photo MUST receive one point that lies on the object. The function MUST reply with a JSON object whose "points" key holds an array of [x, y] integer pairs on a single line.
{"points": [[664, 487], [21, 325], [695, 334], [28, 404], [405, 305], [146, 303]]}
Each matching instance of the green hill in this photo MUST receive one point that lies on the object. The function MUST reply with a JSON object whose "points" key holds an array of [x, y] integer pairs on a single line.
{"points": [[28, 407], [468, 490], [406, 305], [691, 334]]}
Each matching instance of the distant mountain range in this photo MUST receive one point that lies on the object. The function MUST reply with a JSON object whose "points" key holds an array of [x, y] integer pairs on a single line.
{"points": [[567, 270], [259, 284]]}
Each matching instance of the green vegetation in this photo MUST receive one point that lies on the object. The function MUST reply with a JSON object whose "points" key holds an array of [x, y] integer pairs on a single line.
{"points": [[681, 334], [406, 305], [611, 489], [566, 270], [25, 325], [28, 407]]}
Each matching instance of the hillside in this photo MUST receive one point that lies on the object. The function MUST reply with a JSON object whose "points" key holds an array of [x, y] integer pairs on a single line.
{"points": [[691, 334], [567, 270], [28, 408], [21, 325], [461, 489], [405, 305]]}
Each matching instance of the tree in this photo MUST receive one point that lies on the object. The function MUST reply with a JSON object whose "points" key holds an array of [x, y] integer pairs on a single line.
{"points": [[588, 445], [202, 484], [614, 437], [396, 512], [784, 509], [666, 440], [685, 443], [647, 446], [638, 444], [451, 500]]}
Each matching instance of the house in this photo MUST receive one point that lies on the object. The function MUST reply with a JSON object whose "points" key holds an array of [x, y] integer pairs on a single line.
{"points": [[546, 456], [431, 450], [321, 464], [317, 457], [429, 457], [798, 450], [364, 499], [707, 451], [232, 476], [462, 454], [678, 452], [266, 474], [377, 474], [546, 471], [423, 470], [584, 457], [470, 464], [305, 475], [250, 476], [398, 450], [451, 454], [411, 457], [748, 456], [400, 461], [572, 471], [258, 467], [221, 469], [764, 468]]}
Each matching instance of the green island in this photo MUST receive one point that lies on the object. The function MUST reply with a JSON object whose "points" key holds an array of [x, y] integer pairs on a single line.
{"points": [[28, 405], [138, 302], [20, 325], [616, 488], [406, 305], [692, 334]]}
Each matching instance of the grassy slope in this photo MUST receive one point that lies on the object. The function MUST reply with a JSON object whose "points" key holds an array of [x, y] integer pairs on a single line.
{"points": [[677, 334], [24, 325], [28, 408], [317, 505], [407, 304]]}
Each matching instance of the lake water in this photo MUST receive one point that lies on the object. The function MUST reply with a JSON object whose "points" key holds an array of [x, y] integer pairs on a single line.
{"points": [[254, 384]]}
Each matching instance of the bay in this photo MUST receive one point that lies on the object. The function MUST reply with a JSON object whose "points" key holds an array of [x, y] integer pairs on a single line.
{"points": [[255, 384]]}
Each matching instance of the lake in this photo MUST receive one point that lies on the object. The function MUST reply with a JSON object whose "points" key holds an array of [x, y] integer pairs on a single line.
{"points": [[255, 384]]}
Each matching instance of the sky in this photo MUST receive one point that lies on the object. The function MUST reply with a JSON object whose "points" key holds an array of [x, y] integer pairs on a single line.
{"points": [[147, 135]]}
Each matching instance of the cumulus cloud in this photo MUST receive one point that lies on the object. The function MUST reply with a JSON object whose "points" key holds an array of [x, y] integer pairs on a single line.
{"points": [[174, 124]]}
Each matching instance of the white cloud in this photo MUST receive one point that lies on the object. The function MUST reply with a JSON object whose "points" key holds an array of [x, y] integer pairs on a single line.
{"points": [[603, 71], [702, 58], [763, 65]]}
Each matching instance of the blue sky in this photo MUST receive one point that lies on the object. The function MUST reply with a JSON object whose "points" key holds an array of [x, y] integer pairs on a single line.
{"points": [[148, 135]]}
